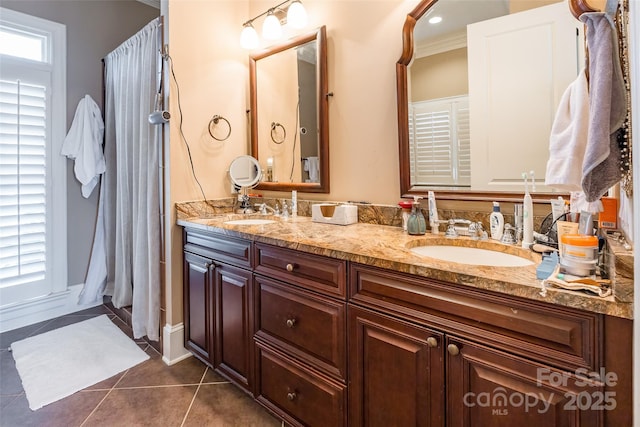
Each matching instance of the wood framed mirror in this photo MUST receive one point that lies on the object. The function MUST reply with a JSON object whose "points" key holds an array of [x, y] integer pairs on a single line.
{"points": [[518, 140], [289, 114]]}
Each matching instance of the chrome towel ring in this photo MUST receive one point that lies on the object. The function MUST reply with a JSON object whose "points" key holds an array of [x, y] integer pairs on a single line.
{"points": [[212, 124], [274, 127]]}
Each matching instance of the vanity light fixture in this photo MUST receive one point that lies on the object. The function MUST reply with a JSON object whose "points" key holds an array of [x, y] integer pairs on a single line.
{"points": [[435, 20], [271, 27]]}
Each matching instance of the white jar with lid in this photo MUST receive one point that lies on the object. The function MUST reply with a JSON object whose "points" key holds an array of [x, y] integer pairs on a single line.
{"points": [[579, 254]]}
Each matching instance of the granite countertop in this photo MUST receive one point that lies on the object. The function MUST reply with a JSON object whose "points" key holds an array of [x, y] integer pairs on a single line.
{"points": [[389, 247]]}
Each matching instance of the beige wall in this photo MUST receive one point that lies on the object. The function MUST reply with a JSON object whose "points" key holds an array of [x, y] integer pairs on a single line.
{"points": [[449, 69], [364, 43], [212, 74], [520, 5]]}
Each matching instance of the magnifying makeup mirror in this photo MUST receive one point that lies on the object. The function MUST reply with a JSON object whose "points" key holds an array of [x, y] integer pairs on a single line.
{"points": [[245, 172]]}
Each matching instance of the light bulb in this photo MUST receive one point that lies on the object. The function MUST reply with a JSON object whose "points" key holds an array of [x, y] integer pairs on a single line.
{"points": [[249, 37], [297, 15], [271, 29]]}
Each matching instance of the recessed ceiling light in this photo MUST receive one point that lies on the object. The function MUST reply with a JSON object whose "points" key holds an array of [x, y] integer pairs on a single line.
{"points": [[435, 20]]}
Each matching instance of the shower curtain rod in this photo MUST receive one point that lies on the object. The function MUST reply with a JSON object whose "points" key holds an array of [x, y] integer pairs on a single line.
{"points": [[160, 24]]}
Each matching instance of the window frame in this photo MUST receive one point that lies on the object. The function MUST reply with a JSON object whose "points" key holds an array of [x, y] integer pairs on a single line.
{"points": [[56, 178], [456, 122]]}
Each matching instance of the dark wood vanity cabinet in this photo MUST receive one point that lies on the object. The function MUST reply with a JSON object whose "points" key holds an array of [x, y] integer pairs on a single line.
{"points": [[218, 300], [323, 342], [435, 354]]}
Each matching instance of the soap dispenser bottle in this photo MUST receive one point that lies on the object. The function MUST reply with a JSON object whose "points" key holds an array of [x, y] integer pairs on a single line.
{"points": [[416, 224], [496, 222]]}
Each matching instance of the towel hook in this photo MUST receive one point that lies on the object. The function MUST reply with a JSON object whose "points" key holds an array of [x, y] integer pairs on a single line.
{"points": [[274, 126], [213, 122]]}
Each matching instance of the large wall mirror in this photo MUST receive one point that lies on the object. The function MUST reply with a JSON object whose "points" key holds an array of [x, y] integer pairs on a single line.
{"points": [[477, 94], [289, 114]]}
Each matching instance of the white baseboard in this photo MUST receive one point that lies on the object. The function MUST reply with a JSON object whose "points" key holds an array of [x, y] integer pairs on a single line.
{"points": [[39, 309], [173, 350]]}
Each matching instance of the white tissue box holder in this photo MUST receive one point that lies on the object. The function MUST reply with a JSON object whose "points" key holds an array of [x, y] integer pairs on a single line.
{"points": [[330, 213]]}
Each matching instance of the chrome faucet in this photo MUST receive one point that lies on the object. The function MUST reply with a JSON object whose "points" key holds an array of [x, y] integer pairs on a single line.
{"points": [[509, 236], [477, 231], [264, 209], [244, 205], [451, 228]]}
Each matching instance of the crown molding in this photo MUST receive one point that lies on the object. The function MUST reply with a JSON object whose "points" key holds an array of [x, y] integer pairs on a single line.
{"points": [[449, 42]]}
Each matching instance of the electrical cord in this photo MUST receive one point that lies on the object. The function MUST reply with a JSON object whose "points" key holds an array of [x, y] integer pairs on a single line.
{"points": [[184, 139]]}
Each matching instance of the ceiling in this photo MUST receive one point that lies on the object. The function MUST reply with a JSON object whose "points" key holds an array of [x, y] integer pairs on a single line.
{"points": [[152, 3], [457, 14]]}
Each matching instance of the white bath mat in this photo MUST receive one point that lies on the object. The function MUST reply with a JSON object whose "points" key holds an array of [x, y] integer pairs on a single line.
{"points": [[56, 364]]}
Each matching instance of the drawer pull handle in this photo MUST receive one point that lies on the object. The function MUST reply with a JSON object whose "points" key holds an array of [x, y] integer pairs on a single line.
{"points": [[290, 267], [432, 342], [291, 396], [291, 323], [453, 349]]}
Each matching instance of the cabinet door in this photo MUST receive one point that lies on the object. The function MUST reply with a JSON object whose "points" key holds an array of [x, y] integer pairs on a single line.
{"points": [[490, 388], [198, 306], [396, 372], [233, 334]]}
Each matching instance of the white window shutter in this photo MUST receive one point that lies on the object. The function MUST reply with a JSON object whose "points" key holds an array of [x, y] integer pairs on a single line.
{"points": [[439, 142], [22, 183]]}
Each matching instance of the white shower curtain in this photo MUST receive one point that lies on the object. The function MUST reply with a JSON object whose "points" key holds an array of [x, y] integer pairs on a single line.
{"points": [[129, 208]]}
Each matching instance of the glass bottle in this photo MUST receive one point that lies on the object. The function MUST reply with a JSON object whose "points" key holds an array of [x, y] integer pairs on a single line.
{"points": [[416, 224]]}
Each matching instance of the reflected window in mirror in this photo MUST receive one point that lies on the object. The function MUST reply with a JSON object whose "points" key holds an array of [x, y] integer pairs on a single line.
{"points": [[477, 93], [289, 117]]}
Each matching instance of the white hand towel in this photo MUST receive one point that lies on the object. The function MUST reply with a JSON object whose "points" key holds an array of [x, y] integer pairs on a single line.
{"points": [[84, 144], [568, 139], [607, 107], [314, 169]]}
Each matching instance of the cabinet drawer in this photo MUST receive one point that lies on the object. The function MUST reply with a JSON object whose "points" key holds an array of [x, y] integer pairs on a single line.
{"points": [[223, 248], [310, 271], [300, 396], [560, 336], [308, 326]]}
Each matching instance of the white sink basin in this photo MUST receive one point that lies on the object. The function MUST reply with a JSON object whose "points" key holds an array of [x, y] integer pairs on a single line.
{"points": [[472, 256], [250, 221]]}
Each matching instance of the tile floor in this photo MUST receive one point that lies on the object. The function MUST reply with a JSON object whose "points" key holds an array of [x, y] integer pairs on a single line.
{"points": [[149, 394]]}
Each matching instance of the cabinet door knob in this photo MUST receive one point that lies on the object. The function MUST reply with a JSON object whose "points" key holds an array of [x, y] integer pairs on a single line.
{"points": [[291, 396], [432, 342], [453, 349], [290, 267], [291, 323]]}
